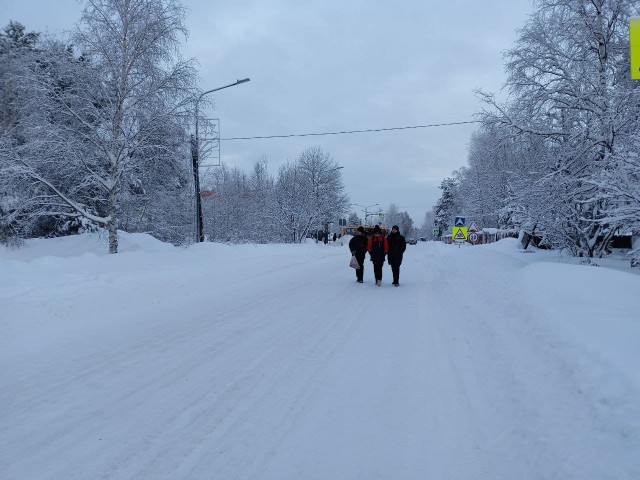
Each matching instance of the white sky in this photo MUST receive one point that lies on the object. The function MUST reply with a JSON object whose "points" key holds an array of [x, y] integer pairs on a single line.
{"points": [[270, 362], [335, 66]]}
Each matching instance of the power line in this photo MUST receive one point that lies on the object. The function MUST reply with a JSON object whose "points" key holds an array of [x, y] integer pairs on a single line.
{"points": [[347, 132]]}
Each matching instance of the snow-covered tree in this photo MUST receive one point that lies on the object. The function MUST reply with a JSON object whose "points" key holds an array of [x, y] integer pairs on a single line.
{"points": [[226, 210], [566, 76], [309, 193], [501, 185], [393, 216], [354, 219], [157, 194], [241, 207], [112, 115], [37, 144], [621, 187], [450, 202], [428, 224], [323, 180], [17, 49], [290, 198], [262, 221]]}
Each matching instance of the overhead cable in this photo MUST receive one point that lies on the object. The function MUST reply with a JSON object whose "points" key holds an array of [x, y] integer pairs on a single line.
{"points": [[346, 132]]}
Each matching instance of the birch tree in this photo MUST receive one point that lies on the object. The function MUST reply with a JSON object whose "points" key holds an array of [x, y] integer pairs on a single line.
{"points": [[309, 193], [133, 83], [321, 178], [290, 198]]}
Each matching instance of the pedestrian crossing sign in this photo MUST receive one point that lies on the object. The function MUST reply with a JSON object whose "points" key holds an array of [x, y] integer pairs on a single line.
{"points": [[459, 222], [459, 234]]}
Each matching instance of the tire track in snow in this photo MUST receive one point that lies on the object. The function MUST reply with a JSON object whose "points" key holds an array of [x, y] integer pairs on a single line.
{"points": [[534, 416], [209, 434]]}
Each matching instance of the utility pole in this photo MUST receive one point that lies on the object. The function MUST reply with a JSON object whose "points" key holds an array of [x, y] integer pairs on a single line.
{"points": [[195, 159]]}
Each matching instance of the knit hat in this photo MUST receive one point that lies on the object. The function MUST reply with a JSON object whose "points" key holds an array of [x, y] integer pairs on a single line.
{"points": [[360, 229], [395, 227], [376, 229]]}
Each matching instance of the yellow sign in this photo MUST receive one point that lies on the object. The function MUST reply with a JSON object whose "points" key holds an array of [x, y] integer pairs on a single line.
{"points": [[634, 44], [459, 234]]}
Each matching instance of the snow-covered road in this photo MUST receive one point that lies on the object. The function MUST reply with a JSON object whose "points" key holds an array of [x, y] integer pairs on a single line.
{"points": [[271, 362]]}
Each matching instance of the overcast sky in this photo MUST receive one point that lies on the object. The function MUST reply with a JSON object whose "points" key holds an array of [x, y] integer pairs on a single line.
{"points": [[328, 66]]}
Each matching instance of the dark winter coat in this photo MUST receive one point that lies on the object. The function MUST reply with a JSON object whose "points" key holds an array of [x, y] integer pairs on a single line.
{"points": [[378, 248], [358, 246], [397, 246]]}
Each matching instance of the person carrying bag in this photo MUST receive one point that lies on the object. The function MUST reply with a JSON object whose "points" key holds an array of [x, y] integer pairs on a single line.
{"points": [[358, 248]]}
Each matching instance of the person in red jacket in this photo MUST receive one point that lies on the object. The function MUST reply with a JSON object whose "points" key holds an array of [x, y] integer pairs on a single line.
{"points": [[378, 247]]}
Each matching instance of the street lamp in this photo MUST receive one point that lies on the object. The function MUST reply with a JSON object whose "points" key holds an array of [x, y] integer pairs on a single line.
{"points": [[365, 209], [378, 214], [195, 158]]}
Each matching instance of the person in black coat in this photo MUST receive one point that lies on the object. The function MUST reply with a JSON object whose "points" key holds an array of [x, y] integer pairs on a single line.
{"points": [[397, 246], [358, 247]]}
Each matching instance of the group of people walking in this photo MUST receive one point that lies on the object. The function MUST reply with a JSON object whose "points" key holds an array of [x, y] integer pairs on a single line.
{"points": [[378, 246]]}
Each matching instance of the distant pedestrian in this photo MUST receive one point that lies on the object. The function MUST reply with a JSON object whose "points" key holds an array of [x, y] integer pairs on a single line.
{"points": [[358, 247], [378, 249], [335, 236], [397, 246]]}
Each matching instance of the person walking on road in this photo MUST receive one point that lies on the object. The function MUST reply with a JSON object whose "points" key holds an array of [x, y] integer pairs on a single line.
{"points": [[397, 246], [358, 247], [378, 249]]}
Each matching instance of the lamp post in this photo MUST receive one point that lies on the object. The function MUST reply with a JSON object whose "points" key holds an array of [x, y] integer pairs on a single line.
{"points": [[195, 158], [379, 215], [365, 209]]}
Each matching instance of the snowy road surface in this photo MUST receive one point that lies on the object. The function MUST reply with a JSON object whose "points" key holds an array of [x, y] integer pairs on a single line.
{"points": [[271, 362]]}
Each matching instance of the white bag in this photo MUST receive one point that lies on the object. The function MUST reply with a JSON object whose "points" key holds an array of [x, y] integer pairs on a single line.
{"points": [[354, 262]]}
